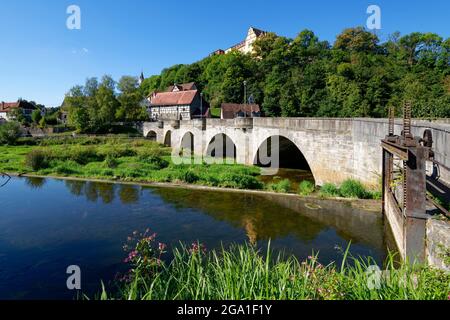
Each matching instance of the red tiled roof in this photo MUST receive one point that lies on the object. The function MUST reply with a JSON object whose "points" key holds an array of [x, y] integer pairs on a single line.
{"points": [[230, 110], [174, 98], [8, 106], [183, 87]]}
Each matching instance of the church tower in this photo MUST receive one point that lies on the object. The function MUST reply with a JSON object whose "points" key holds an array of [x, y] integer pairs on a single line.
{"points": [[141, 78]]}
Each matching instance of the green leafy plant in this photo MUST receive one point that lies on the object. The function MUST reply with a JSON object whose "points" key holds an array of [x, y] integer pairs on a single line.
{"points": [[329, 190], [306, 188], [353, 189], [37, 160], [283, 186]]}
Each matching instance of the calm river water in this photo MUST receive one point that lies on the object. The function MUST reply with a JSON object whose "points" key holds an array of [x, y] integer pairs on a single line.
{"points": [[47, 225]]}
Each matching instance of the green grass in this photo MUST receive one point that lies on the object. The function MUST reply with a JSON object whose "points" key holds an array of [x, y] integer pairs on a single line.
{"points": [[349, 189], [283, 186], [243, 273], [306, 188], [136, 160]]}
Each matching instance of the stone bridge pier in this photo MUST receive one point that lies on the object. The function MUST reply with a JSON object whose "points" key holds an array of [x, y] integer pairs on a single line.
{"points": [[333, 149]]}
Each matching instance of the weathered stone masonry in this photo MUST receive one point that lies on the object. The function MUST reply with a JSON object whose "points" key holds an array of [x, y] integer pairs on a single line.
{"points": [[336, 149]]}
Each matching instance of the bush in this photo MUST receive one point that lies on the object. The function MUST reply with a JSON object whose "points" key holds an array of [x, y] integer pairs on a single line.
{"points": [[189, 177], [156, 162], [84, 156], [329, 190], [65, 169], [37, 160], [9, 133], [353, 189], [239, 181], [306, 188], [111, 162], [116, 152], [284, 186]]}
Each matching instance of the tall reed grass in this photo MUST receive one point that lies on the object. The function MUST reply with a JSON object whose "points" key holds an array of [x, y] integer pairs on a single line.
{"points": [[242, 273]]}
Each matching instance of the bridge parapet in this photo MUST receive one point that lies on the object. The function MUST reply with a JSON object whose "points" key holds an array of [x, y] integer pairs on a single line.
{"points": [[314, 124], [243, 123]]}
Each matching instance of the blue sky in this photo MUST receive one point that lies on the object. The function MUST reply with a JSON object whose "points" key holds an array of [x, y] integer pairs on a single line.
{"points": [[40, 59]]}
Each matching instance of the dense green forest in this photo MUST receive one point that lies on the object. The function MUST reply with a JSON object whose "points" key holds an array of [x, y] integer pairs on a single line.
{"points": [[357, 76]]}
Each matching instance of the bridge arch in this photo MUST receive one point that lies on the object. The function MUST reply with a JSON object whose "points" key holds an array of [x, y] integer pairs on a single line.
{"points": [[286, 152], [221, 146], [168, 139], [187, 144], [152, 135]]}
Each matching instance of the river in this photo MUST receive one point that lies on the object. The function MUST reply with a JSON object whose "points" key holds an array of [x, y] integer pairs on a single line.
{"points": [[47, 225]]}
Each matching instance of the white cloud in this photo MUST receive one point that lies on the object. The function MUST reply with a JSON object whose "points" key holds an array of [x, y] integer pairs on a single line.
{"points": [[82, 51]]}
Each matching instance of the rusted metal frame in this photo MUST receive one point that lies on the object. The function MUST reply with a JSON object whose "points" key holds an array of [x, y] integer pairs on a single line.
{"points": [[395, 149]]}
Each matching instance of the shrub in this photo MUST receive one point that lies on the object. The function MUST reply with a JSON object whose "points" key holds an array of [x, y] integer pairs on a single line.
{"points": [[65, 169], [9, 133], [111, 162], [84, 155], [150, 153], [116, 152], [306, 188], [329, 190], [284, 186], [353, 189], [156, 162], [36, 160], [239, 181], [189, 177]]}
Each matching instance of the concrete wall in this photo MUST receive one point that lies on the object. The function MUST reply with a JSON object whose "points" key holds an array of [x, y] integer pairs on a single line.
{"points": [[336, 149], [438, 243]]}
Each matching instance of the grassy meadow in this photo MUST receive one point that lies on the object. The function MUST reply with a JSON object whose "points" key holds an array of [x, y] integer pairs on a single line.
{"points": [[141, 160]]}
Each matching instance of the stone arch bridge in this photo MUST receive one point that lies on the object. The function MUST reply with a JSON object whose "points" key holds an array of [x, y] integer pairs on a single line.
{"points": [[333, 149]]}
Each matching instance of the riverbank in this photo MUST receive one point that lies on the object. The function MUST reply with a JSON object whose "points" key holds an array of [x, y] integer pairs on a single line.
{"points": [[244, 273], [142, 161]]}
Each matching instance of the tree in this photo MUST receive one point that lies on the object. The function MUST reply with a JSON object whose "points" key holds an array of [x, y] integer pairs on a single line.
{"points": [[356, 39], [36, 116], [75, 103], [9, 133], [103, 106], [130, 100]]}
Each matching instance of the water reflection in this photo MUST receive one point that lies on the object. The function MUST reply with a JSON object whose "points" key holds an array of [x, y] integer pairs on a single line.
{"points": [[35, 182], [46, 225], [106, 192], [266, 217]]}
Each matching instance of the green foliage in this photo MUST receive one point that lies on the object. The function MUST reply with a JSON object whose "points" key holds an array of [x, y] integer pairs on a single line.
{"points": [[283, 186], [353, 189], [356, 77], [9, 133], [306, 188], [81, 155], [37, 160], [36, 116], [111, 162], [350, 188], [242, 272], [329, 190]]}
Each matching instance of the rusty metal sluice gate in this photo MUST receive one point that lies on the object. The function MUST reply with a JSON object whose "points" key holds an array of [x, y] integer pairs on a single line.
{"points": [[405, 186]]}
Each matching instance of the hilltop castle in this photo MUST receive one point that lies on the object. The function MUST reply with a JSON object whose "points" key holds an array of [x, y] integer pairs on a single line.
{"points": [[245, 46]]}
